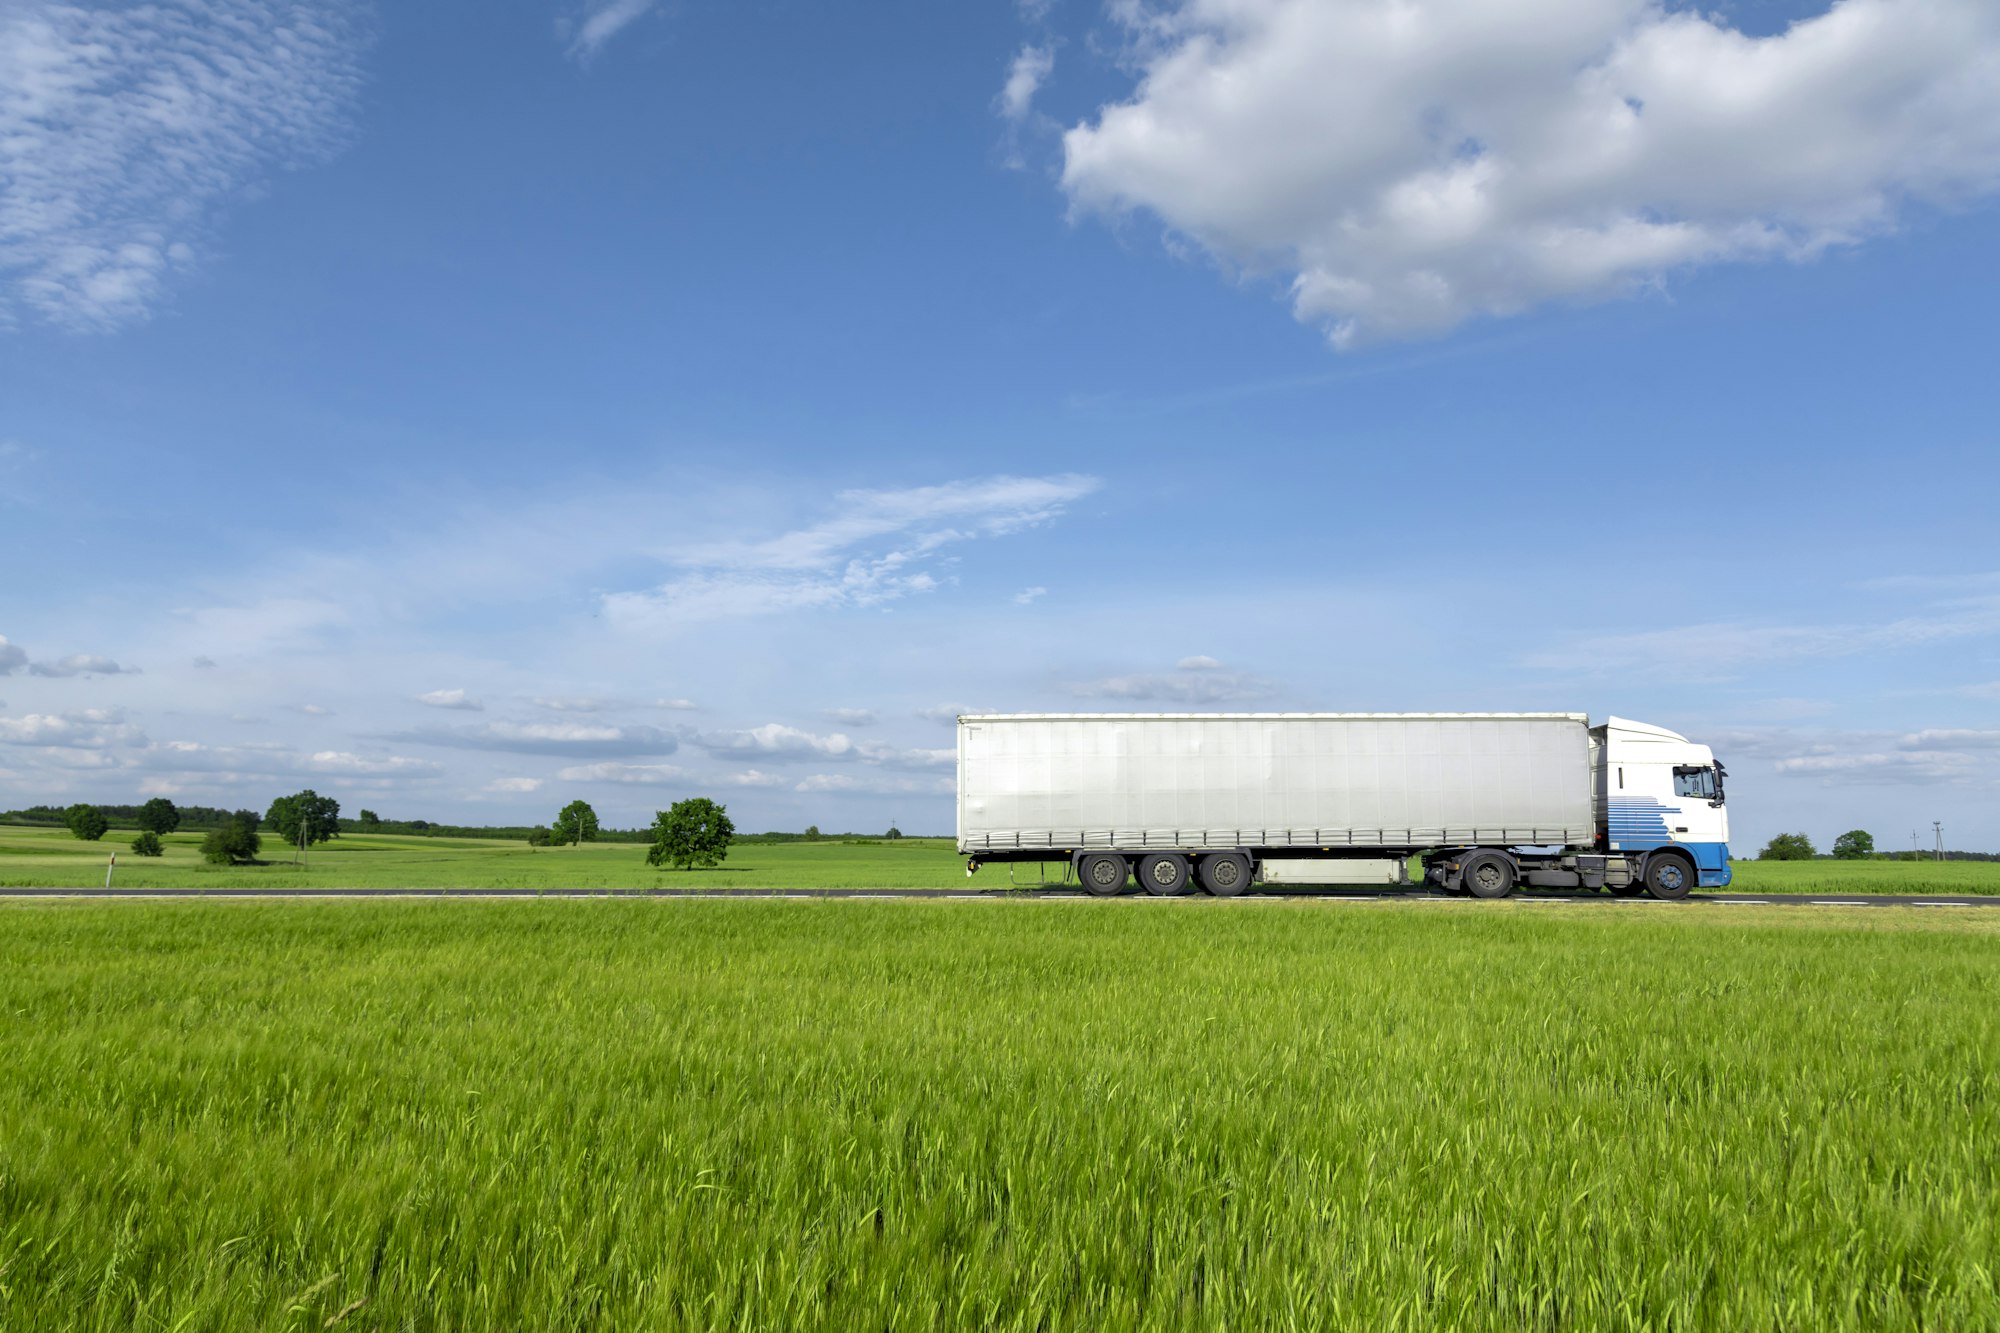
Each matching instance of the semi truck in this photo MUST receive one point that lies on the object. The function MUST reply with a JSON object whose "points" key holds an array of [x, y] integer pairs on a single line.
{"points": [[1490, 802]]}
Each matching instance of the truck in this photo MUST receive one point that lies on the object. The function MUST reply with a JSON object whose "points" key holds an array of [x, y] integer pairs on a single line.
{"points": [[1489, 802]]}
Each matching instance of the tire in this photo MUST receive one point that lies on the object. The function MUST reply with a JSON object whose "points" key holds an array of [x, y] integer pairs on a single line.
{"points": [[1103, 876], [1487, 876], [1669, 877], [1632, 890], [1164, 874], [1226, 875]]}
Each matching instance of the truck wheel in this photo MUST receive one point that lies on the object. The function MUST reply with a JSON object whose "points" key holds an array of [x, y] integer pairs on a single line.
{"points": [[1487, 876], [1669, 876], [1164, 875], [1103, 875], [1632, 890], [1226, 875]]}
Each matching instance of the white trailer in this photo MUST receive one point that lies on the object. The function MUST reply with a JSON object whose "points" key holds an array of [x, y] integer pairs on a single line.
{"points": [[1491, 800]]}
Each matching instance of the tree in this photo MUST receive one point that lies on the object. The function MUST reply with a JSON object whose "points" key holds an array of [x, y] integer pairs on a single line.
{"points": [[1788, 847], [370, 820], [539, 836], [1854, 845], [234, 842], [576, 824], [86, 822], [305, 816], [812, 830], [159, 815], [148, 844], [696, 832], [893, 833]]}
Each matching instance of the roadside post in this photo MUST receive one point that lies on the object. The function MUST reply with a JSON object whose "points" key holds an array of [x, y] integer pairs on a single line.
{"points": [[109, 868]]}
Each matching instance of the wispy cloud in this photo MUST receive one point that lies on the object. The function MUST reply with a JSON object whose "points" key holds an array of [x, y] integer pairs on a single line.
{"points": [[513, 786], [123, 129], [82, 664], [628, 775], [602, 20], [580, 740], [13, 657], [451, 699], [775, 741], [1025, 75], [854, 717], [1029, 596], [878, 547], [1195, 680]]}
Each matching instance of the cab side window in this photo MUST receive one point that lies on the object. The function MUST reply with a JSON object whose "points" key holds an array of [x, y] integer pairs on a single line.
{"points": [[1695, 783]]}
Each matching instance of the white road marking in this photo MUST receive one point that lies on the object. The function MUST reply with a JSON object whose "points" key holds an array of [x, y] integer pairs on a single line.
{"points": [[1839, 902], [1744, 902]]}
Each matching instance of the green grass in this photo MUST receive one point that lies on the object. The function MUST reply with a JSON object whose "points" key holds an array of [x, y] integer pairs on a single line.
{"points": [[40, 857], [1073, 1115]]}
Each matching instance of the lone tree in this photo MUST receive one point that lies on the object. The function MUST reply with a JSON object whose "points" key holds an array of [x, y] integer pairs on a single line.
{"points": [[159, 815], [576, 824], [812, 830], [695, 832], [370, 820], [1854, 845], [1788, 847], [236, 841], [86, 822], [304, 816], [148, 844], [539, 836]]}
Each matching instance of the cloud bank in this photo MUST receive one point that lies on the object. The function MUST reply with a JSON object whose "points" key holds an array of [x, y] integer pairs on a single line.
{"points": [[1415, 165]]}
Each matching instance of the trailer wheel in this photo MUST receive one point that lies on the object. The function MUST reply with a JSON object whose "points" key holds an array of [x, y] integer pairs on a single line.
{"points": [[1487, 876], [1669, 876], [1225, 875], [1103, 875], [1164, 874]]}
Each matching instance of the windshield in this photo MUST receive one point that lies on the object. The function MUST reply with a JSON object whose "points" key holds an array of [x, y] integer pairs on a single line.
{"points": [[1698, 784]]}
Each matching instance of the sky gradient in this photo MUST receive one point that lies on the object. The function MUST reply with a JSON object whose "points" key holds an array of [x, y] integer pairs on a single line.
{"points": [[461, 409]]}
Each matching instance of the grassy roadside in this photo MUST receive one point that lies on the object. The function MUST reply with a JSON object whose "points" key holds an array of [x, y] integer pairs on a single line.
{"points": [[52, 858], [902, 1115]]}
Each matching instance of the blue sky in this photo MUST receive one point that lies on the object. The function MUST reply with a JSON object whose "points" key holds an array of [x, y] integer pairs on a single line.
{"points": [[461, 408]]}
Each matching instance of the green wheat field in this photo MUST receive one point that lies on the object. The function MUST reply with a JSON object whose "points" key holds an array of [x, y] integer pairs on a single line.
{"points": [[768, 1114], [51, 858]]}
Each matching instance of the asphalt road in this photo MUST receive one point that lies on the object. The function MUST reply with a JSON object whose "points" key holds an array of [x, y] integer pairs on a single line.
{"points": [[1363, 895]]}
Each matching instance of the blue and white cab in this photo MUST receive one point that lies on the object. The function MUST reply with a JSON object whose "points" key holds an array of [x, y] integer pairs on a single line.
{"points": [[1658, 789]]}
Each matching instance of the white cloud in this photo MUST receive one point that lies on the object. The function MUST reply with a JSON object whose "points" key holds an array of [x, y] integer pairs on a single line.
{"points": [[513, 786], [1024, 79], [854, 717], [1917, 766], [451, 699], [603, 20], [81, 664], [311, 710], [1732, 644], [1028, 596], [872, 784], [879, 547], [1197, 680], [86, 729], [124, 128], [1411, 166], [775, 741], [677, 705], [753, 777], [631, 775], [579, 739]]}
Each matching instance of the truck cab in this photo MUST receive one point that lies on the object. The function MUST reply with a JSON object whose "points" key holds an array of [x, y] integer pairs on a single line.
{"points": [[1657, 790]]}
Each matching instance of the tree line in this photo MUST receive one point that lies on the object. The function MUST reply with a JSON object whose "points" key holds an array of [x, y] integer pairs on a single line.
{"points": [[1855, 845]]}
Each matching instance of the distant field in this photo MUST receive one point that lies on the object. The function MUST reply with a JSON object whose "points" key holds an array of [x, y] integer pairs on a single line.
{"points": [[839, 1115], [32, 857]]}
